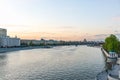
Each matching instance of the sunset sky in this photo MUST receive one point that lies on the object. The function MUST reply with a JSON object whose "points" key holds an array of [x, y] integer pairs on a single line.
{"points": [[60, 19]]}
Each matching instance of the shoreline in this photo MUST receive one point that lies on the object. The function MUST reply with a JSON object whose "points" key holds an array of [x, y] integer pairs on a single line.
{"points": [[103, 75], [11, 49], [106, 74], [5, 50]]}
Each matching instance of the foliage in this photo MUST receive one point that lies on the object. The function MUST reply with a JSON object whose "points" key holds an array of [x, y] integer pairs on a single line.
{"points": [[31, 43], [112, 44]]}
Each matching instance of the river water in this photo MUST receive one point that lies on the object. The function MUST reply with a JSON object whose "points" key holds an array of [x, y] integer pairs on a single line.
{"points": [[58, 63]]}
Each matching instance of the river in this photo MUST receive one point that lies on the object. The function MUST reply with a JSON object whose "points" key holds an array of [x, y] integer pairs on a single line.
{"points": [[58, 63]]}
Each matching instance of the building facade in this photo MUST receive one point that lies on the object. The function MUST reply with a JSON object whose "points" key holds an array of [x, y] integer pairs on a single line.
{"points": [[3, 32], [39, 42], [9, 42], [28, 42], [6, 41]]}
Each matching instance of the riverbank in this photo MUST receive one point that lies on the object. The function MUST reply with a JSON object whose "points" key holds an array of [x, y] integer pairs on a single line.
{"points": [[10, 49], [105, 53], [112, 74], [104, 74], [4, 50]]}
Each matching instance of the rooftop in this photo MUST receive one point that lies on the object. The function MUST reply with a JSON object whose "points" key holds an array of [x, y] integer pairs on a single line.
{"points": [[2, 29]]}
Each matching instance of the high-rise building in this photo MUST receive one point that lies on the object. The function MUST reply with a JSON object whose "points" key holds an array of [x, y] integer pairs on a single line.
{"points": [[3, 32]]}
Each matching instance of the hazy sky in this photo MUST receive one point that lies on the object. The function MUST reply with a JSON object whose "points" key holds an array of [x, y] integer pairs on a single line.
{"points": [[60, 19]]}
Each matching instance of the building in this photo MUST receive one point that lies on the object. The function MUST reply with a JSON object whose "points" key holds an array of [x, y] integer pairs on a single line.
{"points": [[29, 42], [9, 42], [39, 42], [6, 41], [13, 41], [25, 42], [52, 42], [34, 42], [3, 32], [85, 40]]}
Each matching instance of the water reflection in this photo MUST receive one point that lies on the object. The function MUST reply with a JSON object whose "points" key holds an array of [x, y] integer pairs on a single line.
{"points": [[2, 56], [59, 63], [3, 59]]}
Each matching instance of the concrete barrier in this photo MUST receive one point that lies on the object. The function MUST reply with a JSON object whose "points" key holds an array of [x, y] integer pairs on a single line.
{"points": [[106, 54], [113, 56], [111, 78]]}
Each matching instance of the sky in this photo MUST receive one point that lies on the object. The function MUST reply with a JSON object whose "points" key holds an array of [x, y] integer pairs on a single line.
{"points": [[60, 19]]}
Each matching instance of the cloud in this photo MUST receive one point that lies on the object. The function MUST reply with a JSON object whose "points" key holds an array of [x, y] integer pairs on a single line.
{"points": [[116, 18], [116, 31], [67, 27], [98, 37], [101, 35], [13, 25], [118, 35]]}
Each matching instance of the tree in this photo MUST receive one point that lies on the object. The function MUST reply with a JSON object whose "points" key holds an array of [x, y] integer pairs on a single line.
{"points": [[31, 43], [112, 44]]}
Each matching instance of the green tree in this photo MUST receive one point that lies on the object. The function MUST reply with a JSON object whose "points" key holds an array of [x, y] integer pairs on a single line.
{"points": [[31, 43], [112, 44]]}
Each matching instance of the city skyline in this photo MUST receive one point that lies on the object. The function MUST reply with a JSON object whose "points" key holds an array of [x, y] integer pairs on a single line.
{"points": [[60, 19]]}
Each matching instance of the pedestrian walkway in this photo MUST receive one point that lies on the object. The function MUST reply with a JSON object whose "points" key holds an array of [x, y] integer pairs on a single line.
{"points": [[102, 76]]}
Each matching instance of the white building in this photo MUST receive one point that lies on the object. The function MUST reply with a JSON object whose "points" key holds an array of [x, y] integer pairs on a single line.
{"points": [[9, 42], [13, 41], [3, 41], [6, 41]]}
